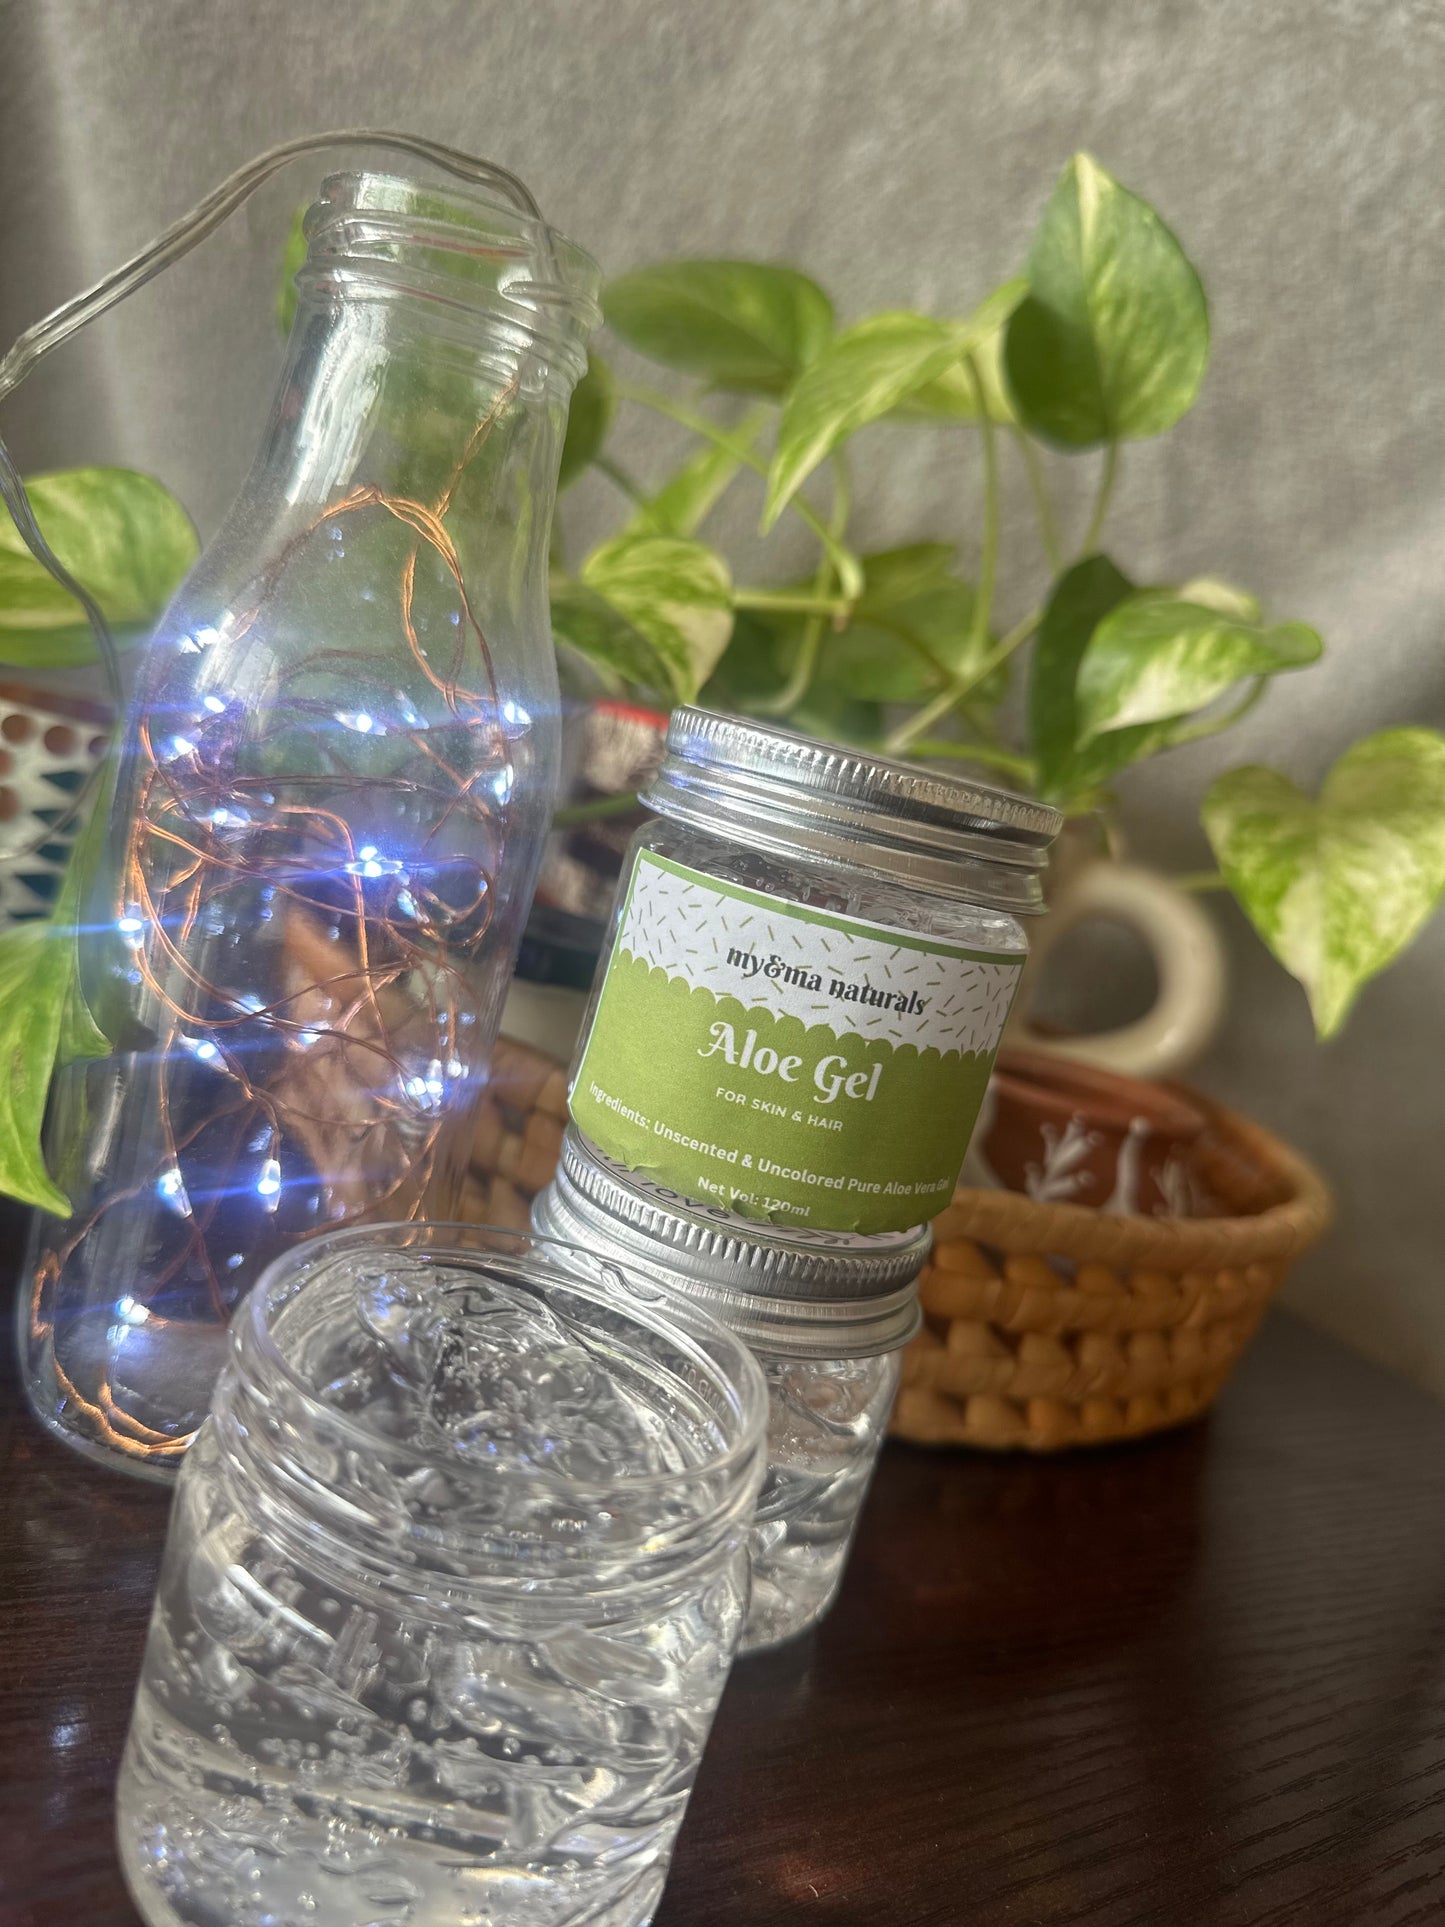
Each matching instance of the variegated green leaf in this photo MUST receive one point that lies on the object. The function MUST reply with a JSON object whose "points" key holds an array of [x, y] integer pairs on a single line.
{"points": [[1112, 340], [1337, 887], [122, 536], [675, 595], [34, 973], [865, 373], [34, 978], [627, 658], [44, 1021], [1081, 598], [743, 325], [1154, 657]]}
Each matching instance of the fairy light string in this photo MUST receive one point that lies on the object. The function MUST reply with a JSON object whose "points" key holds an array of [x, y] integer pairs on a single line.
{"points": [[372, 953]]}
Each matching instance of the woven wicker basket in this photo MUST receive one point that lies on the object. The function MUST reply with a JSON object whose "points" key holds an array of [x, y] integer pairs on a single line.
{"points": [[1047, 1325], [519, 1136], [1051, 1325]]}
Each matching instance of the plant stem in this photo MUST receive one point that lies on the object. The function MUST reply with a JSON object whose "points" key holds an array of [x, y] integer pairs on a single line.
{"points": [[991, 754], [988, 558], [619, 478], [1043, 505], [800, 678], [968, 679], [788, 600], [907, 734], [1101, 501], [850, 570], [571, 814], [1199, 881]]}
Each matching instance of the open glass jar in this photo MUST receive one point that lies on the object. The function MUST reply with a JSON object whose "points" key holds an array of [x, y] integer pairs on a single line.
{"points": [[334, 785], [826, 1324], [813, 956], [455, 1573]]}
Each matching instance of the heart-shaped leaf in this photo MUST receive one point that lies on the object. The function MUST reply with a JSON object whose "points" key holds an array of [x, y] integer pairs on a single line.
{"points": [[1337, 887], [1082, 597], [865, 373], [655, 610], [687, 497], [1112, 340], [1154, 657], [741, 325], [122, 536], [594, 403], [911, 630]]}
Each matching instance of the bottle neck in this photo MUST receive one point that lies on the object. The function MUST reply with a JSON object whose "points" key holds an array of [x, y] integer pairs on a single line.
{"points": [[438, 336], [424, 454], [380, 392]]}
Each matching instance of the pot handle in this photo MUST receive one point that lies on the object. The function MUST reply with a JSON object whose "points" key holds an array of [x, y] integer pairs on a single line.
{"points": [[1188, 958]]}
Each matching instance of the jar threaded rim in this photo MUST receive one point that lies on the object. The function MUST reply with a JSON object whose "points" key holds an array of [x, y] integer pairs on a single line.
{"points": [[904, 820]]}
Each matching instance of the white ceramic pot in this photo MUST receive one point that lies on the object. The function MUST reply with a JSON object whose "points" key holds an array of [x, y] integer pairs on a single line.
{"points": [[1188, 961]]}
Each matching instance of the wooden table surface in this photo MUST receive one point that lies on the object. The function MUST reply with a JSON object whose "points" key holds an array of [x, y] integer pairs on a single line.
{"points": [[1199, 1680]]}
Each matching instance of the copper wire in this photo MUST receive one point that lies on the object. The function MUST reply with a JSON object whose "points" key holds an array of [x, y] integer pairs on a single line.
{"points": [[338, 1086]]}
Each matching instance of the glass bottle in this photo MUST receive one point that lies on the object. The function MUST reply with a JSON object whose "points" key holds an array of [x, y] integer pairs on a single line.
{"points": [[331, 797]]}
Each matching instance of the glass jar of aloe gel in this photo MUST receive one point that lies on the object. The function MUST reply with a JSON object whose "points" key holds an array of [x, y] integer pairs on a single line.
{"points": [[826, 1323], [454, 1577], [813, 955]]}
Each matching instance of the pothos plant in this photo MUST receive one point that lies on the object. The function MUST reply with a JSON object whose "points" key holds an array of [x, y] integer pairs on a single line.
{"points": [[1101, 340]]}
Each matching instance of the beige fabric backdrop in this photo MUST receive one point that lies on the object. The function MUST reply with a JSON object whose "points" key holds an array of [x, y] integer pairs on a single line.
{"points": [[899, 149]]}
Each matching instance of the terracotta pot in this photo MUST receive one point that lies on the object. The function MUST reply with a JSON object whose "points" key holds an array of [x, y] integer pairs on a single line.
{"points": [[1063, 1132]]}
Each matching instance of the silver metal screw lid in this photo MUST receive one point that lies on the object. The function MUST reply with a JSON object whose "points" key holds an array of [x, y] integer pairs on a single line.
{"points": [[836, 1300], [914, 824]]}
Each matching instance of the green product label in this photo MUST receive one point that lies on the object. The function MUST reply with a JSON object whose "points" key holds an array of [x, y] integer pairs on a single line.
{"points": [[790, 1065]]}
